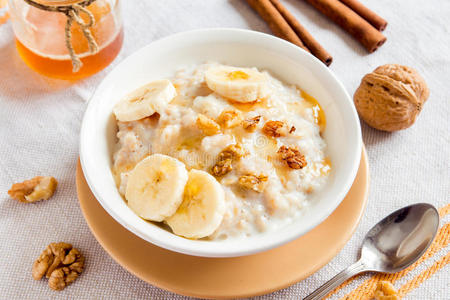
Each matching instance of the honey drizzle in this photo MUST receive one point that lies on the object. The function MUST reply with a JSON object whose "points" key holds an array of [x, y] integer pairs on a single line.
{"points": [[325, 169], [318, 113], [247, 107]]}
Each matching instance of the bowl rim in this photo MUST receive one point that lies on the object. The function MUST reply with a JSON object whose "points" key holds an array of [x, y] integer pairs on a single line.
{"points": [[218, 252]]}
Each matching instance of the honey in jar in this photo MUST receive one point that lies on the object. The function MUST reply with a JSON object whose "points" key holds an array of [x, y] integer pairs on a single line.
{"points": [[42, 43]]}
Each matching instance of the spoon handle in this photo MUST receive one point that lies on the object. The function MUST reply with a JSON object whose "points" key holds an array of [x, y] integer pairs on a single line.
{"points": [[337, 280]]}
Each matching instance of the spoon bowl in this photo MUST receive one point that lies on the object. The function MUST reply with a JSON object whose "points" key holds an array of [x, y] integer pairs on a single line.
{"points": [[400, 239], [392, 245]]}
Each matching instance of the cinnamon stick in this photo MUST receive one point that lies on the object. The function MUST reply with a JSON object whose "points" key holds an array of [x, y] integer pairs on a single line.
{"points": [[378, 22], [276, 22], [350, 21], [316, 49]]}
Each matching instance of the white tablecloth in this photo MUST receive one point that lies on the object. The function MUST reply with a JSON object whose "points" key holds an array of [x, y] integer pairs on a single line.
{"points": [[40, 121]]}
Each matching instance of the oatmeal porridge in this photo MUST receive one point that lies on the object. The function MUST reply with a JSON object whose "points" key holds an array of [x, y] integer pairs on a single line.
{"points": [[219, 152]]}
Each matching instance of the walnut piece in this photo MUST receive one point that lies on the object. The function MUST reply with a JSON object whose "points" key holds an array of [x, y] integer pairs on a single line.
{"points": [[60, 263], [230, 118], [385, 291], [293, 157], [234, 151], [256, 183], [207, 125], [251, 124], [222, 167], [391, 97], [226, 158], [33, 190], [275, 128]]}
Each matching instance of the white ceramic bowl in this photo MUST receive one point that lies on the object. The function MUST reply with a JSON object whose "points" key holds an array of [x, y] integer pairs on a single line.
{"points": [[239, 48]]}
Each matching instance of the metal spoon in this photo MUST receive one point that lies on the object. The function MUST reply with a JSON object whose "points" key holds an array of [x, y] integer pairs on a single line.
{"points": [[392, 245]]}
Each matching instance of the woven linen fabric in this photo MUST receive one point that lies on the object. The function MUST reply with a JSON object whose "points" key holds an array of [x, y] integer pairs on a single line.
{"points": [[40, 122]]}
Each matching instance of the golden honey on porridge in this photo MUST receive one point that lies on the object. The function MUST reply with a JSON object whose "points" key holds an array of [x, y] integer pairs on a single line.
{"points": [[219, 152]]}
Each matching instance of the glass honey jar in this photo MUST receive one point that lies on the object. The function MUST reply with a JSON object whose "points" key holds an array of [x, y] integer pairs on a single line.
{"points": [[67, 39]]}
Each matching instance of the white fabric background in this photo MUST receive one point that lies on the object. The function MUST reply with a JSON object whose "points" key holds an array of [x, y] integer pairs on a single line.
{"points": [[40, 121]]}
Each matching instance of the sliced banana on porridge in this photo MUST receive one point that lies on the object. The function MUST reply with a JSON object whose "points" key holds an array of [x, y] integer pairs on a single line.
{"points": [[239, 84], [145, 101], [202, 209], [155, 187], [246, 152]]}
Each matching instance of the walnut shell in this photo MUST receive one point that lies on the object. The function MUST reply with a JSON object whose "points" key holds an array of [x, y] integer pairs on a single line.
{"points": [[391, 97]]}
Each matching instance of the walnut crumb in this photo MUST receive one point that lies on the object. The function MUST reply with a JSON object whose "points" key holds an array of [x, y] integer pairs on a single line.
{"points": [[230, 118], [251, 124], [33, 190], [292, 129], [60, 263], [256, 183], [226, 158], [275, 128], [293, 157], [207, 125], [385, 291]]}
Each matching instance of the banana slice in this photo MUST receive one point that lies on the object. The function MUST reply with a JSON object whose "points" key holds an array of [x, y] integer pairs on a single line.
{"points": [[202, 209], [145, 101], [239, 84], [155, 187]]}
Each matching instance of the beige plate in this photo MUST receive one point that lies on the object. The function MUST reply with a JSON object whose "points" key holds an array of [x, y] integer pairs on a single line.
{"points": [[228, 277]]}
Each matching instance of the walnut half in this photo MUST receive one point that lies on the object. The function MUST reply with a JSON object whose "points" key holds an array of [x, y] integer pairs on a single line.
{"points": [[60, 263], [293, 157], [33, 190], [256, 183], [276, 128], [385, 291], [225, 159]]}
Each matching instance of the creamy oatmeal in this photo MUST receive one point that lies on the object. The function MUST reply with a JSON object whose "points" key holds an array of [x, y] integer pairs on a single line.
{"points": [[259, 138]]}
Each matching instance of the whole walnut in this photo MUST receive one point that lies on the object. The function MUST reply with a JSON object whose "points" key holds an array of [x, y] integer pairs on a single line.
{"points": [[391, 97]]}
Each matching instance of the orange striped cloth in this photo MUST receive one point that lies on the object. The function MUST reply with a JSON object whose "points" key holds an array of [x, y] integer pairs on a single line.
{"points": [[365, 290]]}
